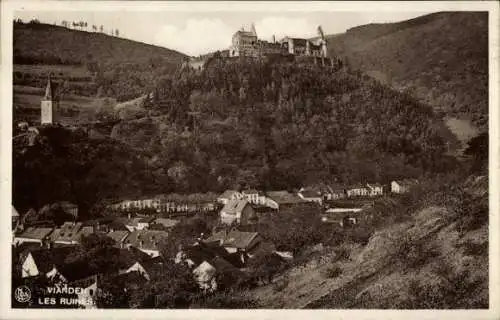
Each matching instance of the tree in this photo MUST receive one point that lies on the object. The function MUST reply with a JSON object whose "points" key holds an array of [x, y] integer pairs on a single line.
{"points": [[171, 286], [184, 233], [101, 28], [96, 241]]}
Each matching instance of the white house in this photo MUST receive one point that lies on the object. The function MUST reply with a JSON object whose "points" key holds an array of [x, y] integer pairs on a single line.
{"points": [[376, 189], [237, 211], [254, 196], [310, 196], [281, 199], [357, 191], [402, 186], [229, 195]]}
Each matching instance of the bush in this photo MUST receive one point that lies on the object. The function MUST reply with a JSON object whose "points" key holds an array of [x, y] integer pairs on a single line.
{"points": [[280, 285], [341, 254], [333, 272], [475, 249]]}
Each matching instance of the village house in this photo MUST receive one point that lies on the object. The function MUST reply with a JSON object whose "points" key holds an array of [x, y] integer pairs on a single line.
{"points": [[144, 222], [147, 241], [39, 235], [118, 236], [206, 261], [163, 224], [237, 211], [229, 195], [403, 186], [42, 261], [243, 244], [310, 195], [333, 192], [16, 222], [357, 190], [70, 233], [282, 199], [131, 223], [376, 189], [138, 204], [254, 196], [336, 193], [342, 216], [69, 208]]}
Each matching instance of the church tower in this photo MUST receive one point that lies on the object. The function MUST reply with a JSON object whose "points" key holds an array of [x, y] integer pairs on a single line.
{"points": [[49, 104]]}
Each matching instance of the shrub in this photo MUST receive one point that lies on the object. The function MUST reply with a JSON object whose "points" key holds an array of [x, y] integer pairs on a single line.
{"points": [[280, 285], [333, 272], [475, 249], [341, 254]]}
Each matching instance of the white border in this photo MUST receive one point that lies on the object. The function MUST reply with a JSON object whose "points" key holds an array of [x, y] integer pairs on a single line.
{"points": [[7, 9]]}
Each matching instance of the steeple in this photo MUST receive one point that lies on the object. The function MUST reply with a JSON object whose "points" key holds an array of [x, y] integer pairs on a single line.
{"points": [[49, 92], [49, 103]]}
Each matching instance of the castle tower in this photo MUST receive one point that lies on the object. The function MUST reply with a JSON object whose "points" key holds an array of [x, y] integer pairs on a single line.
{"points": [[254, 33], [324, 49], [49, 104]]}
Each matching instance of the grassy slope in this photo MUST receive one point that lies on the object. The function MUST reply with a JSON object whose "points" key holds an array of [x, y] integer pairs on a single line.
{"points": [[442, 58], [376, 276], [40, 49], [38, 41]]}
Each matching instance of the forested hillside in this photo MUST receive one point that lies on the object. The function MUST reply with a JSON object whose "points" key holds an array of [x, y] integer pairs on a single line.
{"points": [[88, 63], [279, 125], [441, 58], [67, 165], [242, 123]]}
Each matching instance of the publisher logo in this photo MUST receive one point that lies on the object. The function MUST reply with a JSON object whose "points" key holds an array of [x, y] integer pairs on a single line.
{"points": [[22, 294]]}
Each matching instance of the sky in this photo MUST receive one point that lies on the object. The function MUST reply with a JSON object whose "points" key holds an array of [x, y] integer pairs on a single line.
{"points": [[195, 32]]}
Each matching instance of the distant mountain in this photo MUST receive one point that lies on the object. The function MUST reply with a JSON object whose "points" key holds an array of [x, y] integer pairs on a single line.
{"points": [[104, 65], [442, 58]]}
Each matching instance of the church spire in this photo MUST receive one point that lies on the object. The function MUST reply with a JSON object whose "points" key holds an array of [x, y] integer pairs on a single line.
{"points": [[49, 93]]}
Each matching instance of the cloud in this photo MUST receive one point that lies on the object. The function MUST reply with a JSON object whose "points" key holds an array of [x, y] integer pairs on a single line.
{"points": [[285, 26], [198, 36]]}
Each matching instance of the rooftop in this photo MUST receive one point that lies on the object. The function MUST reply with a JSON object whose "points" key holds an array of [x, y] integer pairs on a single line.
{"points": [[70, 232], [146, 239], [228, 194], [46, 259], [36, 233], [310, 194], [284, 197], [234, 206], [235, 239], [118, 235], [167, 223], [14, 212], [238, 239]]}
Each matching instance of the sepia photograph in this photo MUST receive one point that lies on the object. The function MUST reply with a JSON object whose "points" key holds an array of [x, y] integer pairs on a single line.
{"points": [[249, 156]]}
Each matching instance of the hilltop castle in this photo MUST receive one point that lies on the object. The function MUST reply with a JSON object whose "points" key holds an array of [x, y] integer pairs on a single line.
{"points": [[247, 44]]}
